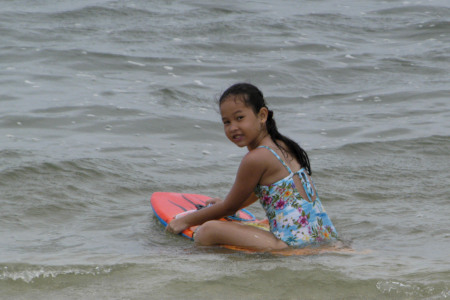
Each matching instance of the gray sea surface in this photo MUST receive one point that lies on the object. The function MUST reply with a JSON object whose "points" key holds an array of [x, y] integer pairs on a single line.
{"points": [[103, 103]]}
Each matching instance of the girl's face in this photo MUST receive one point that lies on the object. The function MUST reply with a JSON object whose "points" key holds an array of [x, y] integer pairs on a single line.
{"points": [[241, 125]]}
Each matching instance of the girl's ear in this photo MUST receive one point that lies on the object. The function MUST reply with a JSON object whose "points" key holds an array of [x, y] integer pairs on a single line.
{"points": [[263, 114]]}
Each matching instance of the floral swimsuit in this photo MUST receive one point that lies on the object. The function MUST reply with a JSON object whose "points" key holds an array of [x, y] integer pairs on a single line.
{"points": [[293, 219]]}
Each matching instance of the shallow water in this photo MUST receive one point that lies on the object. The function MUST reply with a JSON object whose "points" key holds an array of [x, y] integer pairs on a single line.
{"points": [[103, 103]]}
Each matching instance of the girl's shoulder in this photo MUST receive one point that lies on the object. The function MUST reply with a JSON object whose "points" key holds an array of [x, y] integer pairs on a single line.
{"points": [[253, 166], [260, 158], [258, 153], [263, 162]]}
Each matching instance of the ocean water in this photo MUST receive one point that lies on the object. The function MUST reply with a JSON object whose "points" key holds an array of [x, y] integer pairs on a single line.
{"points": [[103, 103]]}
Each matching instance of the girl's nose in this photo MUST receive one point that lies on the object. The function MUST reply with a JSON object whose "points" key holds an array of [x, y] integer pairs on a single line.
{"points": [[232, 127]]}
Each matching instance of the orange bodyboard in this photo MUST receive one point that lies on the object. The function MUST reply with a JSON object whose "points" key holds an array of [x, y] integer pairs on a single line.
{"points": [[167, 205]]}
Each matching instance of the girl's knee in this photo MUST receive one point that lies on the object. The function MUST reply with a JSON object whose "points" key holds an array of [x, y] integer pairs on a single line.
{"points": [[205, 234]]}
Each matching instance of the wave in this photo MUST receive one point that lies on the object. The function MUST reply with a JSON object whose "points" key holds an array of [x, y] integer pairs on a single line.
{"points": [[407, 170], [416, 10], [435, 145], [32, 273], [57, 191], [175, 282]]}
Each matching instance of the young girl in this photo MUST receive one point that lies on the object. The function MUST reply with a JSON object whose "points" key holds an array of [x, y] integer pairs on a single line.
{"points": [[275, 171]]}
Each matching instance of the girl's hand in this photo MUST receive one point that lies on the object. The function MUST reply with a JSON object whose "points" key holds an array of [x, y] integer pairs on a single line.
{"points": [[176, 226], [213, 201]]}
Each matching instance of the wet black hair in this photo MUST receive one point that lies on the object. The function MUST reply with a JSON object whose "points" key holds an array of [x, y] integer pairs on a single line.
{"points": [[253, 98]]}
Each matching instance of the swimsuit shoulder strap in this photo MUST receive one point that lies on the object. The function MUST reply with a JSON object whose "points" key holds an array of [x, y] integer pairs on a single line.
{"points": [[308, 184], [277, 156]]}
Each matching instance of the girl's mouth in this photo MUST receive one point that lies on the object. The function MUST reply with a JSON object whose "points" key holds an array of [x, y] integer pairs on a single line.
{"points": [[238, 137]]}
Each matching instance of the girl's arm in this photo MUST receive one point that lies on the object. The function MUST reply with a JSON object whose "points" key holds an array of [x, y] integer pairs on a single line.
{"points": [[250, 200], [241, 194]]}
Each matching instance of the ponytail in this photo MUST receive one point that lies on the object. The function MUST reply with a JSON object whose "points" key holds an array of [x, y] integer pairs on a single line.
{"points": [[254, 98], [293, 147]]}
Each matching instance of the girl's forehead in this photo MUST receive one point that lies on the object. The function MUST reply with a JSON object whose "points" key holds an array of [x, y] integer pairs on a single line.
{"points": [[238, 100], [233, 103]]}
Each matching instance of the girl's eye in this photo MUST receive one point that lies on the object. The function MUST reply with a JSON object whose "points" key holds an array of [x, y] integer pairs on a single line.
{"points": [[239, 117]]}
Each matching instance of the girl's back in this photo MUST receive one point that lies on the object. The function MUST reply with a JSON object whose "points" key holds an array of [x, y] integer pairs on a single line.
{"points": [[296, 215]]}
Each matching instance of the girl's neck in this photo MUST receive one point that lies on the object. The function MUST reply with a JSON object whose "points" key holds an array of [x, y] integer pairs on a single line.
{"points": [[264, 140]]}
